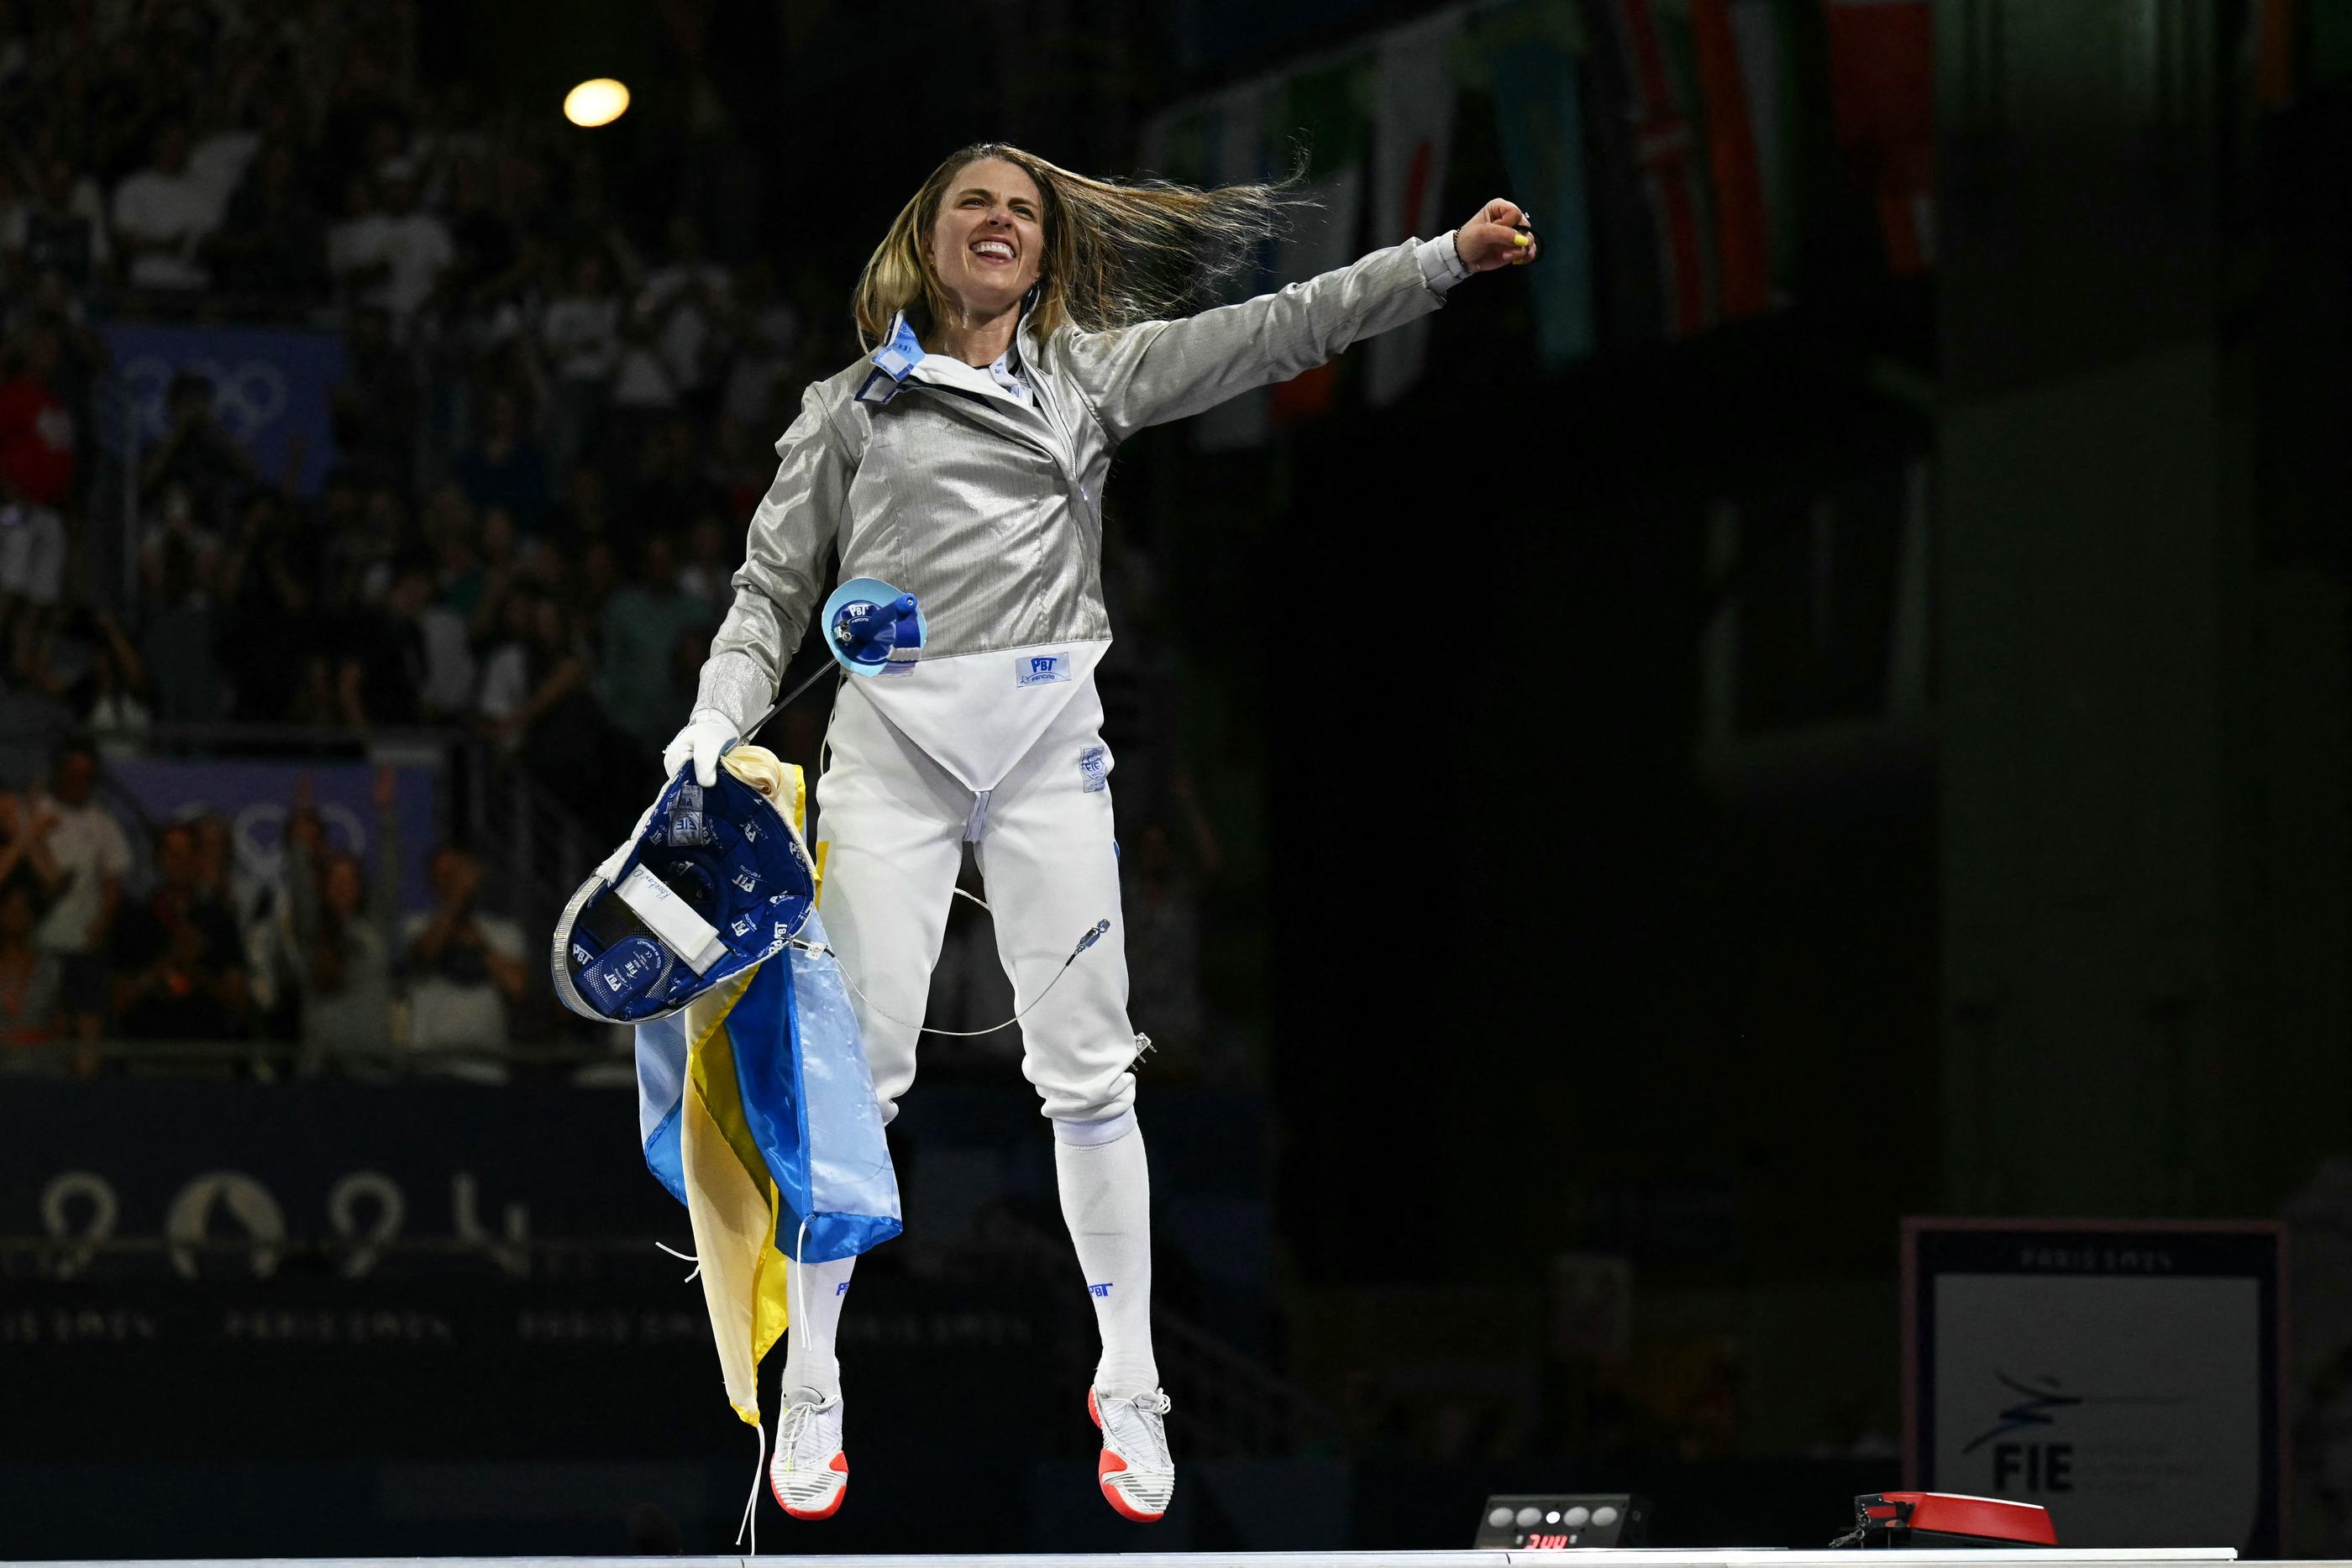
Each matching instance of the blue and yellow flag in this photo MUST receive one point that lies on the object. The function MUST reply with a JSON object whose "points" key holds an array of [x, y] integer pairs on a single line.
{"points": [[757, 1112]]}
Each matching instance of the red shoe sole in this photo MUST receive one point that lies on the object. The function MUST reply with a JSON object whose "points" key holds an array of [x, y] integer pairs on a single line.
{"points": [[840, 1463], [1110, 1465]]}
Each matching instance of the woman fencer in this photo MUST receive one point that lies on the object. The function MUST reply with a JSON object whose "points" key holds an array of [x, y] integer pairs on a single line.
{"points": [[1010, 311]]}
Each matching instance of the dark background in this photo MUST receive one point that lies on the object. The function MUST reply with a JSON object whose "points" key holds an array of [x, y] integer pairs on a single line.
{"points": [[1676, 810]]}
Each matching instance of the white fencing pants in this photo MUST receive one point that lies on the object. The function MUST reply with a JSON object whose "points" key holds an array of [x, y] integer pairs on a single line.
{"points": [[891, 824]]}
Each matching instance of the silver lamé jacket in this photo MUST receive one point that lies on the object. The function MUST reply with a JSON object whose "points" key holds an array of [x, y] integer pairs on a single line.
{"points": [[989, 511]]}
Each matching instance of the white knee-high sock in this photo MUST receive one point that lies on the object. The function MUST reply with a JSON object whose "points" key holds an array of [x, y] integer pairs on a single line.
{"points": [[813, 1303], [1107, 1203]]}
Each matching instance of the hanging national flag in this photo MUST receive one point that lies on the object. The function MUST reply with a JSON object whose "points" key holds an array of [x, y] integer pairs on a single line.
{"points": [[1668, 151], [1743, 261], [1883, 82], [1327, 119], [1761, 36], [1528, 58], [1413, 140]]}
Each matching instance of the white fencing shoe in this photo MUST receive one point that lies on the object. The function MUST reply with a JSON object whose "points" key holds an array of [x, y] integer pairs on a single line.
{"points": [[1137, 1472], [810, 1474]]}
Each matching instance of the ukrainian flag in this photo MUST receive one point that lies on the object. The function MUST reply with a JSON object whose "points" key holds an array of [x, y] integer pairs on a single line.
{"points": [[757, 1112]]}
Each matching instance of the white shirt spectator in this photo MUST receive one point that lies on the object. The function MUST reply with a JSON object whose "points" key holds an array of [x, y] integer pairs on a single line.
{"points": [[221, 160], [448, 662], [445, 1014], [415, 245], [88, 847], [32, 552], [173, 210], [506, 682], [583, 337], [685, 341]]}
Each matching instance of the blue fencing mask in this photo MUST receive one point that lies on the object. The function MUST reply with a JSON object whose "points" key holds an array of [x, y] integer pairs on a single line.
{"points": [[712, 882]]}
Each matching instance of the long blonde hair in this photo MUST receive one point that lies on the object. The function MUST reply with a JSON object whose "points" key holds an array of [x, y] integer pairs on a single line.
{"points": [[1114, 254]]}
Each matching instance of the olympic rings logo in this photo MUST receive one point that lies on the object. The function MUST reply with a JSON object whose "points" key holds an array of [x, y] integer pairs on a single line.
{"points": [[248, 396]]}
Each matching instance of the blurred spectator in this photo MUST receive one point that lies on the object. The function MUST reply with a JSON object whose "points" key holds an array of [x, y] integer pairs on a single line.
{"points": [[177, 649], [91, 857], [271, 245], [767, 346], [59, 226], [29, 977], [581, 329], [382, 675], [466, 966], [180, 966], [668, 490], [162, 215], [643, 627], [36, 427], [539, 705], [268, 586], [344, 927], [196, 457], [394, 261], [117, 702], [31, 983], [707, 576], [32, 554], [691, 305], [585, 518], [374, 410], [504, 469]]}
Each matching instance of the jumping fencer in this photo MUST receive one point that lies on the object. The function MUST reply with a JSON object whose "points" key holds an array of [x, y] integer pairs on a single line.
{"points": [[1018, 318]]}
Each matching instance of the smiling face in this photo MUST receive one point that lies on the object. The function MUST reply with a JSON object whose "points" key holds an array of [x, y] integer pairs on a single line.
{"points": [[988, 241]]}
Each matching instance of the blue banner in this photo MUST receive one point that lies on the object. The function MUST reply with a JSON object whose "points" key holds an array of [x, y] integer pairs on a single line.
{"points": [[269, 385], [257, 798]]}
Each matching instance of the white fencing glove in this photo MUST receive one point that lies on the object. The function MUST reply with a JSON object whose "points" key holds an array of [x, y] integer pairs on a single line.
{"points": [[707, 733]]}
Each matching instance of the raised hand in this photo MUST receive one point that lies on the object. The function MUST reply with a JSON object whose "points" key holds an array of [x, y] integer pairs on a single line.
{"points": [[1500, 235]]}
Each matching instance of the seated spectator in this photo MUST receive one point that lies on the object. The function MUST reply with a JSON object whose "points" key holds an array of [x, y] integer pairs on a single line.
{"points": [[91, 857], [162, 215], [180, 970], [467, 967], [504, 469], [538, 702], [345, 935]]}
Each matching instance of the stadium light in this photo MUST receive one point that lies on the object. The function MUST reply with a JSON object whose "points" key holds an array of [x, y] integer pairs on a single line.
{"points": [[598, 102]]}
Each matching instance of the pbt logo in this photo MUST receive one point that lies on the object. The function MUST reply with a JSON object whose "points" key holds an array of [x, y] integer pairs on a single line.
{"points": [[1041, 666], [1101, 1290]]}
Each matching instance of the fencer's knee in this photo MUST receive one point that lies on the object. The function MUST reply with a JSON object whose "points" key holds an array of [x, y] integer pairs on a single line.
{"points": [[1088, 1103], [1093, 1134]]}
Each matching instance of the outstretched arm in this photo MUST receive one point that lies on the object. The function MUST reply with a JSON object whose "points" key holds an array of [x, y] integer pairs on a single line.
{"points": [[1159, 370]]}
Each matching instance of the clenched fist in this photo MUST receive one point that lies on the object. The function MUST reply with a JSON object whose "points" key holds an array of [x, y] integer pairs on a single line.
{"points": [[1500, 235]]}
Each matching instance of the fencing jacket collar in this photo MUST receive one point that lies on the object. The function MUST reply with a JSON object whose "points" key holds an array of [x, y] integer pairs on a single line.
{"points": [[901, 357]]}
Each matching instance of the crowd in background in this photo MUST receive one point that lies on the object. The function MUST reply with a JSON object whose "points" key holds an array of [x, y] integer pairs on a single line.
{"points": [[554, 420]]}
